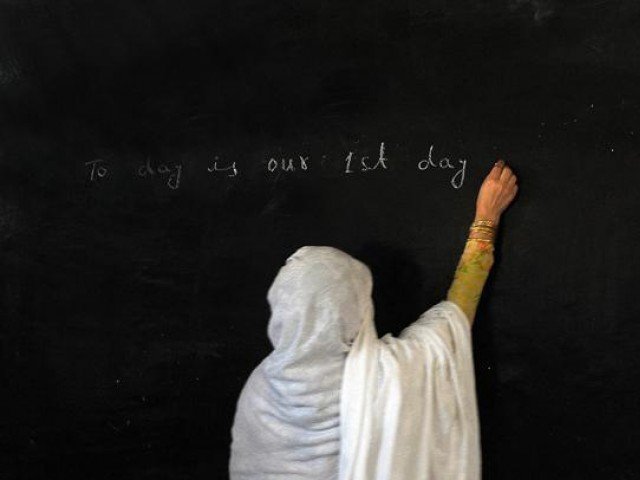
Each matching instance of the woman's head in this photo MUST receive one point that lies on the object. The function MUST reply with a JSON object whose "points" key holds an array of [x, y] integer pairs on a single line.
{"points": [[318, 301]]}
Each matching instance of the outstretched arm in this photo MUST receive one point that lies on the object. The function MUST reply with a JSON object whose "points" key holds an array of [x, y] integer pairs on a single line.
{"points": [[496, 193]]}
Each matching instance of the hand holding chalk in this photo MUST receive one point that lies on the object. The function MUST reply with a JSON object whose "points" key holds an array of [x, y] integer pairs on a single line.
{"points": [[497, 192]]}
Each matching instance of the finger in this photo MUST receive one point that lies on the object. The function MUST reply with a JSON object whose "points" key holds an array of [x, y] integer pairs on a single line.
{"points": [[496, 170], [505, 174], [512, 180]]}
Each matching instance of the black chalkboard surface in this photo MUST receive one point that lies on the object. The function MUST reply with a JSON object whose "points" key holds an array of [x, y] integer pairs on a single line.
{"points": [[159, 161]]}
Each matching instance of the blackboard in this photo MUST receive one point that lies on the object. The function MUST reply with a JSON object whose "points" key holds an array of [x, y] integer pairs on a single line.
{"points": [[159, 161]]}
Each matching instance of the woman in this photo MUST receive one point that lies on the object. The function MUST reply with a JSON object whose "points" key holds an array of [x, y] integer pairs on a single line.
{"points": [[332, 401]]}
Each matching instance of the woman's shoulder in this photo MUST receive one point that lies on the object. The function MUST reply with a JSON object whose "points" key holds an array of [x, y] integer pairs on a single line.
{"points": [[436, 329], [441, 314]]}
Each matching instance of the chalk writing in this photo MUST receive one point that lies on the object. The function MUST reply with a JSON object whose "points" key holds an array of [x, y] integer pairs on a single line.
{"points": [[445, 162], [364, 166], [354, 163], [172, 174], [287, 164], [97, 169], [216, 168]]}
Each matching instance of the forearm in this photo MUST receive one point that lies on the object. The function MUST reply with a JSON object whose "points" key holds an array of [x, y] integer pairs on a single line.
{"points": [[496, 192], [471, 275]]}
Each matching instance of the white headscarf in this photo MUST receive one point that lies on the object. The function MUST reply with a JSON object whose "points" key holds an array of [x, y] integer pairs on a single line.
{"points": [[334, 402]]}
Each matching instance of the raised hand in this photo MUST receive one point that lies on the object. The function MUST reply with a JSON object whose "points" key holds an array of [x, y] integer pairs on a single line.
{"points": [[497, 191]]}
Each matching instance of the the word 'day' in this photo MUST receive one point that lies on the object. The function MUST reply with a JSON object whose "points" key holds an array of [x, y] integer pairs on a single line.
{"points": [[444, 163], [172, 174]]}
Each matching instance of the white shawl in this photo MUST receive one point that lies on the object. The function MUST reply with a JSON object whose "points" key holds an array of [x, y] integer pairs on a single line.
{"points": [[334, 402]]}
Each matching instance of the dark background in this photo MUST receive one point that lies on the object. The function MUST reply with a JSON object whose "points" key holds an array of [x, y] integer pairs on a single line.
{"points": [[131, 313]]}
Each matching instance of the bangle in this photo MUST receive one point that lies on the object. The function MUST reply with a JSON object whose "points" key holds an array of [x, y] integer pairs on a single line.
{"points": [[482, 236], [480, 239], [483, 230], [487, 223]]}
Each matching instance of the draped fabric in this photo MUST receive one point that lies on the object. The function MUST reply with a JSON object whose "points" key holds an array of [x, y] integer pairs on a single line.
{"points": [[409, 405], [334, 402]]}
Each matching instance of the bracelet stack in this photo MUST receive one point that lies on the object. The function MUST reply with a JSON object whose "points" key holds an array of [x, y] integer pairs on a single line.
{"points": [[483, 230]]}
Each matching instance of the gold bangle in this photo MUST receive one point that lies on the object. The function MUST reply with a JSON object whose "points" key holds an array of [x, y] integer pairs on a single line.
{"points": [[478, 233], [485, 220], [483, 228], [488, 223], [481, 234], [488, 240], [484, 239]]}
